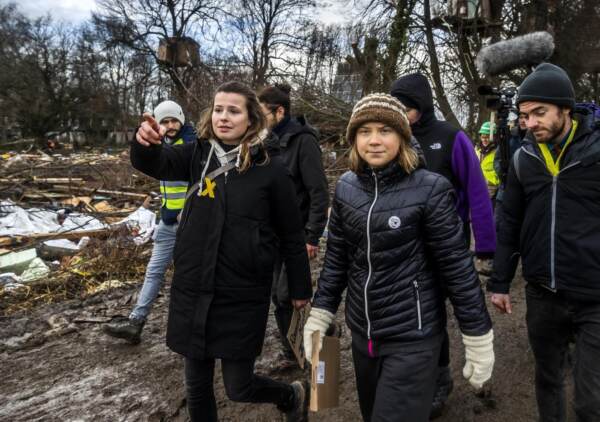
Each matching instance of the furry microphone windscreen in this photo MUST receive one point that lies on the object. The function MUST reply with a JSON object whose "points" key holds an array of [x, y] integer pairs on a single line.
{"points": [[503, 56]]}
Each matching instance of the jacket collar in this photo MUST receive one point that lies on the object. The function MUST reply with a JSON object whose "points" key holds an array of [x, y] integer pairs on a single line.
{"points": [[586, 124], [385, 176], [292, 127]]}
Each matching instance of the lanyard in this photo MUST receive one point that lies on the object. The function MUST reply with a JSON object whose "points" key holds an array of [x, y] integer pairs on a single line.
{"points": [[554, 166]]}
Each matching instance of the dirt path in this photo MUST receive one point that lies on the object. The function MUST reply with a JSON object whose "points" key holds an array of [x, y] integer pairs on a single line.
{"points": [[56, 367]]}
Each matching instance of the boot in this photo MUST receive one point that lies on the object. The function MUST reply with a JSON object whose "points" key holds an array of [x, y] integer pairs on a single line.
{"points": [[299, 410], [443, 388], [126, 328]]}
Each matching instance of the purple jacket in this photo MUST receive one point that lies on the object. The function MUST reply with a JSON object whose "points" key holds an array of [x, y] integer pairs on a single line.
{"points": [[449, 152], [472, 194]]}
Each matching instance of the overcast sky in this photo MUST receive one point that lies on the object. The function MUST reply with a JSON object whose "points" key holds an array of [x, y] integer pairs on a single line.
{"points": [[76, 11]]}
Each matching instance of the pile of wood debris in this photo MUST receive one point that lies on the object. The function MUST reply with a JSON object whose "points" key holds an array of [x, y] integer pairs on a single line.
{"points": [[100, 185]]}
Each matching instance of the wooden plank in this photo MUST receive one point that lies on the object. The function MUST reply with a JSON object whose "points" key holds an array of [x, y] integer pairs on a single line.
{"points": [[38, 237], [101, 191]]}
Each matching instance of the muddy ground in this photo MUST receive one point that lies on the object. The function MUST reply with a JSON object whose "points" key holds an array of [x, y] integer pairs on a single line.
{"points": [[57, 365]]}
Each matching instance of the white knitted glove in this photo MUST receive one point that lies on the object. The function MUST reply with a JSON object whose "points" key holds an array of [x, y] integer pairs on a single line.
{"points": [[479, 355], [318, 320]]}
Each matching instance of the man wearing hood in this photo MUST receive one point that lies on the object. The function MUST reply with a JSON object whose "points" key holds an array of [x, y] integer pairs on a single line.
{"points": [[300, 151], [449, 152], [170, 115]]}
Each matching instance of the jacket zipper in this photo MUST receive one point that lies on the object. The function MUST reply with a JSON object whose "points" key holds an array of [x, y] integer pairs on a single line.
{"points": [[552, 234], [416, 284], [370, 266], [553, 220], [553, 227]]}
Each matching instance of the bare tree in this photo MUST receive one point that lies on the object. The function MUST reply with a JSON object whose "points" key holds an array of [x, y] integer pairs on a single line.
{"points": [[141, 24], [269, 31]]}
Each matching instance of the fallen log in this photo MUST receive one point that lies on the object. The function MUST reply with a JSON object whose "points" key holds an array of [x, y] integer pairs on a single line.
{"points": [[101, 191]]}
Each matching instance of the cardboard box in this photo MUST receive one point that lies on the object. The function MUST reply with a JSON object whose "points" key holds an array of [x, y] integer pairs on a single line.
{"points": [[295, 334], [325, 379]]}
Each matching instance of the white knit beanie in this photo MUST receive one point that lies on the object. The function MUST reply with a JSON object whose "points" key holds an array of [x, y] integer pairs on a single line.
{"points": [[169, 109]]}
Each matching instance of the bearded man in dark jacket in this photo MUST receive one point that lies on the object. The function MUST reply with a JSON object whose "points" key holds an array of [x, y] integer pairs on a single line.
{"points": [[551, 217], [301, 154], [449, 152]]}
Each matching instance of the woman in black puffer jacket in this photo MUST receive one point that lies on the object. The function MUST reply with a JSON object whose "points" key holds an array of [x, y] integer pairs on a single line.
{"points": [[395, 242]]}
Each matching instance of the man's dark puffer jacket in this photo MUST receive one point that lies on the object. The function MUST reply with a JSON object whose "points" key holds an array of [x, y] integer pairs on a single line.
{"points": [[396, 241]]}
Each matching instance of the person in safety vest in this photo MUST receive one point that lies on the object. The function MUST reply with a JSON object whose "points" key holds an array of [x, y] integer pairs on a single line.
{"points": [[486, 151], [170, 115]]}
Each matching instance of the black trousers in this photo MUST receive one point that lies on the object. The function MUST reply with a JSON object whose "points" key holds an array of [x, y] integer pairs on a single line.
{"points": [[280, 297], [397, 387], [241, 385], [553, 320]]}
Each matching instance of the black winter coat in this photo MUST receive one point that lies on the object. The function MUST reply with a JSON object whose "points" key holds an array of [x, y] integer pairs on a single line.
{"points": [[553, 222], [223, 256], [396, 242], [300, 151]]}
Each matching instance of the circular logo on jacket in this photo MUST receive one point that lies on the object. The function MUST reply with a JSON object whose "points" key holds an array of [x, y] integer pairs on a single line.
{"points": [[394, 222]]}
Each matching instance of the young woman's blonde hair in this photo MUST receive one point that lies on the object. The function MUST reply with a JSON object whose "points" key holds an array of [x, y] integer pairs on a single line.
{"points": [[407, 156], [257, 120]]}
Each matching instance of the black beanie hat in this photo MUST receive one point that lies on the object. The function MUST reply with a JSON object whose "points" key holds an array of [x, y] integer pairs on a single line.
{"points": [[548, 83]]}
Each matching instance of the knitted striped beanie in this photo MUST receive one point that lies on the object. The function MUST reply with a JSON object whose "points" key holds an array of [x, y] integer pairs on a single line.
{"points": [[382, 108]]}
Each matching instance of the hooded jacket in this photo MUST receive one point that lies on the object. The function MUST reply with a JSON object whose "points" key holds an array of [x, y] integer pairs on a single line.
{"points": [[301, 154], [449, 152], [230, 230], [553, 220], [396, 243]]}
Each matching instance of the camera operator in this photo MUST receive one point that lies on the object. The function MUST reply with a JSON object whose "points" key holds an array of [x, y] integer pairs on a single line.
{"points": [[551, 217], [514, 143]]}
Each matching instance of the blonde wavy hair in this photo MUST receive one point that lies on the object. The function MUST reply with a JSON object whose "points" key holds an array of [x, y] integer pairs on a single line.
{"points": [[257, 126]]}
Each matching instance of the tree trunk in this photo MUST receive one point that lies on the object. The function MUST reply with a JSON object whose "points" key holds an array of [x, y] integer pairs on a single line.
{"points": [[438, 87]]}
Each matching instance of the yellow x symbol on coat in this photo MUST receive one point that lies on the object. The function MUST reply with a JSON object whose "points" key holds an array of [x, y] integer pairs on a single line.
{"points": [[210, 188]]}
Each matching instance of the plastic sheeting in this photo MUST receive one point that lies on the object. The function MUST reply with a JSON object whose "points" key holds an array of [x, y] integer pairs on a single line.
{"points": [[144, 222], [15, 221]]}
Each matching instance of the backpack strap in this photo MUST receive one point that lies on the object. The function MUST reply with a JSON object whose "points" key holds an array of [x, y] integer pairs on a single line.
{"points": [[516, 164]]}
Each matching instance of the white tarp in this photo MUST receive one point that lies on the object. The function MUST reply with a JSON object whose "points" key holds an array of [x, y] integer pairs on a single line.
{"points": [[144, 221], [15, 221]]}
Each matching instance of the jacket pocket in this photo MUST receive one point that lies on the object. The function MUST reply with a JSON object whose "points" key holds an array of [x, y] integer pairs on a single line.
{"points": [[418, 300]]}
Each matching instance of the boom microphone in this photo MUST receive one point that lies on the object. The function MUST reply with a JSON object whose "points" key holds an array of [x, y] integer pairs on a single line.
{"points": [[526, 50]]}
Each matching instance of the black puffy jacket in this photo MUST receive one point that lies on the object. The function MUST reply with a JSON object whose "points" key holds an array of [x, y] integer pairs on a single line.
{"points": [[395, 241]]}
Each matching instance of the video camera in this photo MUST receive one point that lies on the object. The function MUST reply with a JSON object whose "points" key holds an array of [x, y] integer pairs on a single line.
{"points": [[502, 101], [501, 57]]}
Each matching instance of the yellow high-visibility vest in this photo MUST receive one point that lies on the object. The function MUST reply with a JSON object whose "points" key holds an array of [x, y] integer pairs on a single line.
{"points": [[173, 193], [487, 167]]}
